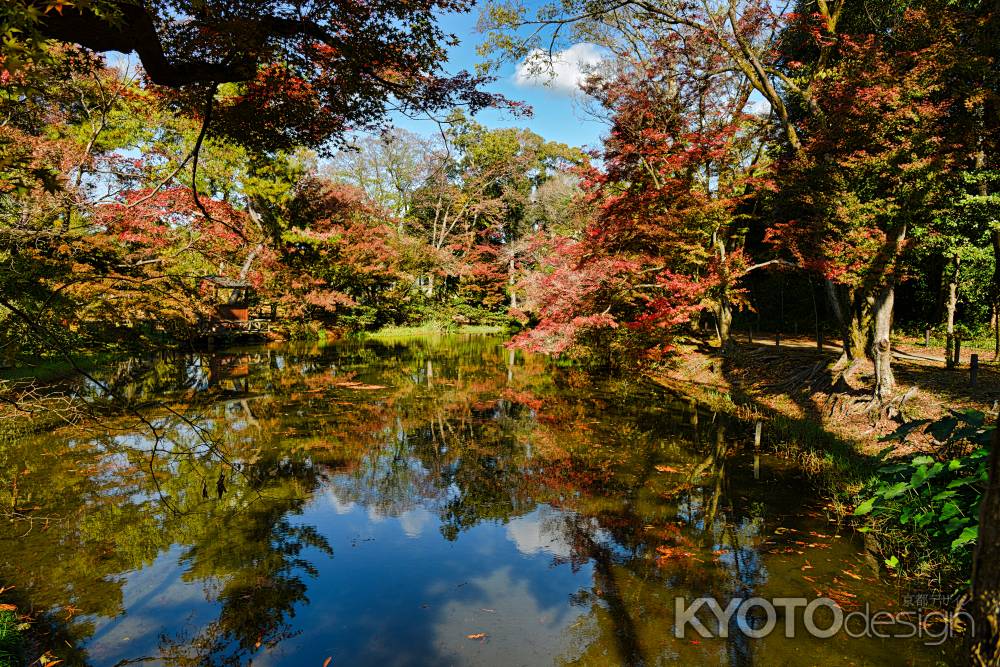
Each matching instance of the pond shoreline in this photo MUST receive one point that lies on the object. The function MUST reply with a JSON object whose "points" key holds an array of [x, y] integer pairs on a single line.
{"points": [[840, 450]]}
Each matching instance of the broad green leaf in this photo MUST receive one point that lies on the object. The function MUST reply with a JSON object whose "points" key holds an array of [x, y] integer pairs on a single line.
{"points": [[896, 490], [865, 507], [968, 535], [949, 510]]}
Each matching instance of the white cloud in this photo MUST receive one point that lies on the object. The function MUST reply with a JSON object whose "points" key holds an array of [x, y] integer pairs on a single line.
{"points": [[414, 521], [539, 531], [564, 72]]}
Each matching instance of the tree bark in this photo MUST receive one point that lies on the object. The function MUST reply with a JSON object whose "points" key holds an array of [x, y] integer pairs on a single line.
{"points": [[724, 308], [885, 382], [512, 282], [950, 306], [996, 331], [853, 325], [724, 320], [995, 286], [856, 328], [982, 641]]}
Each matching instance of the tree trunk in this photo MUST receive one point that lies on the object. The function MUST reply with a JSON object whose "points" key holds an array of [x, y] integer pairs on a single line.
{"points": [[996, 332], [856, 332], [834, 299], [950, 306], [995, 287], [854, 325], [511, 283], [724, 308], [983, 191], [885, 383], [724, 320], [248, 263], [982, 641]]}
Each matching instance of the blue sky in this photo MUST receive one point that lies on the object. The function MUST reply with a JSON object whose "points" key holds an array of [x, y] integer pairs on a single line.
{"points": [[556, 116]]}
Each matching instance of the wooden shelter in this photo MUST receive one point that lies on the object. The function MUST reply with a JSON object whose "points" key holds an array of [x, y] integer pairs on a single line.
{"points": [[233, 302], [232, 298]]}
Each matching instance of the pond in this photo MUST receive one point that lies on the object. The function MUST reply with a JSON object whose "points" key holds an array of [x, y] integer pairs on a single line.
{"points": [[422, 501]]}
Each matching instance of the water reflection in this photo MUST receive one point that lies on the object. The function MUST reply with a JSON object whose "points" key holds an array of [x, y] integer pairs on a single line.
{"points": [[430, 501]]}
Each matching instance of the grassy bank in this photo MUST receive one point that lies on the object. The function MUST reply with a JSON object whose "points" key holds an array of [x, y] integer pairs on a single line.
{"points": [[435, 328], [12, 640], [54, 368], [836, 440]]}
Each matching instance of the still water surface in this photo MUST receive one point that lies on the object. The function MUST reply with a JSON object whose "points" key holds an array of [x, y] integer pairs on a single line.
{"points": [[428, 501]]}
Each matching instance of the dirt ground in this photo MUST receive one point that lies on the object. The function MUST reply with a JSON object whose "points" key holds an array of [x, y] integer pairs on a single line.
{"points": [[793, 379]]}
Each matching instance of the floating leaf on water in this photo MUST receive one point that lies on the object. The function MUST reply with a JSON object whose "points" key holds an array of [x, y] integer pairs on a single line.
{"points": [[478, 636]]}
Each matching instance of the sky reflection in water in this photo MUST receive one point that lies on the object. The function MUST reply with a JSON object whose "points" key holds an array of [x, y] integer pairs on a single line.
{"points": [[380, 502]]}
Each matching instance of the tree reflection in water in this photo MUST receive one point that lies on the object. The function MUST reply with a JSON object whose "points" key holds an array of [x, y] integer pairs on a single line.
{"points": [[637, 489]]}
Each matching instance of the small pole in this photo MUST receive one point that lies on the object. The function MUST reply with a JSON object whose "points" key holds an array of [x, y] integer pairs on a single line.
{"points": [[819, 340], [973, 369], [958, 352], [750, 334], [777, 339], [927, 337]]}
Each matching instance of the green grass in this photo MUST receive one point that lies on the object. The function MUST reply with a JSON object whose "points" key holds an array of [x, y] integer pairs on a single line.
{"points": [[11, 640], [51, 368], [434, 328]]}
